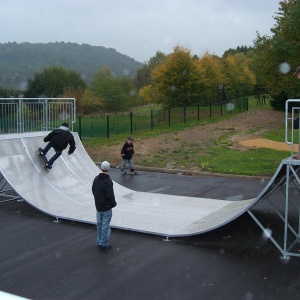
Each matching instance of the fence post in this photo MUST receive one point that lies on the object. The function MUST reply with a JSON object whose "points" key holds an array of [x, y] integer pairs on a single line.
{"points": [[151, 119], [92, 129], [169, 116], [130, 122], [107, 126], [221, 109], [79, 119]]}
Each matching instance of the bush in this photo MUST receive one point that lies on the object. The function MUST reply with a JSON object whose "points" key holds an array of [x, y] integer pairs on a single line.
{"points": [[278, 101]]}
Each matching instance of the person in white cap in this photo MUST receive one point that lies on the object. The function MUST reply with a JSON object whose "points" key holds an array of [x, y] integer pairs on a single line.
{"points": [[104, 201]]}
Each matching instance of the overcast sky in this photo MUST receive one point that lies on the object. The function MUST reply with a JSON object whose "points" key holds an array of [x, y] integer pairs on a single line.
{"points": [[139, 28]]}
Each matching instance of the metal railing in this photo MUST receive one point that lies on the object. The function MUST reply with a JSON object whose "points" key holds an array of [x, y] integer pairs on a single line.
{"points": [[18, 115], [292, 123], [131, 122]]}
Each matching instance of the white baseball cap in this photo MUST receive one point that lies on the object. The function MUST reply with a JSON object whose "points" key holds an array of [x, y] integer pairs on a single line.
{"points": [[105, 166]]}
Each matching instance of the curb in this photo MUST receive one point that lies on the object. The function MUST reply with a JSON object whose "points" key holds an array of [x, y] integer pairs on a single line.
{"points": [[189, 172]]}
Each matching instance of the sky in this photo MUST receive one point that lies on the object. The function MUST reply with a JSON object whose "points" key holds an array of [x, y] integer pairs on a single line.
{"points": [[139, 28]]}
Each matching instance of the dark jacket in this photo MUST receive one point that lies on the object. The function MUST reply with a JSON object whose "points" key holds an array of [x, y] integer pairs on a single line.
{"points": [[127, 151], [60, 138], [103, 192]]}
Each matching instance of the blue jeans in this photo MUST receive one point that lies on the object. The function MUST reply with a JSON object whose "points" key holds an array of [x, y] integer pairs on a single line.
{"points": [[103, 226], [54, 157], [124, 164]]}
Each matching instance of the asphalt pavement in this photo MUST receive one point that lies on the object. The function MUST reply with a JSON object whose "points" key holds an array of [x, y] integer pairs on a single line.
{"points": [[42, 259]]}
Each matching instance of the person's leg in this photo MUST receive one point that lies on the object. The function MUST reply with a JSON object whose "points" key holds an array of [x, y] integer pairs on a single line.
{"points": [[105, 221], [54, 157], [123, 164], [99, 226], [47, 148], [130, 165]]}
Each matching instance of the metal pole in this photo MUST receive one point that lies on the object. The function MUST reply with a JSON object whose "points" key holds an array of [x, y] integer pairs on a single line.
{"points": [[286, 214], [79, 127], [151, 119], [107, 126], [221, 109], [131, 129]]}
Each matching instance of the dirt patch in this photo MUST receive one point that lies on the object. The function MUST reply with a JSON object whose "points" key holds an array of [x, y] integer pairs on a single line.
{"points": [[264, 143], [244, 131]]}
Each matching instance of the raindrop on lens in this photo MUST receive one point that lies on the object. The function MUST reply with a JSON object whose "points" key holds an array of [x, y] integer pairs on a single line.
{"points": [[230, 106], [284, 68]]}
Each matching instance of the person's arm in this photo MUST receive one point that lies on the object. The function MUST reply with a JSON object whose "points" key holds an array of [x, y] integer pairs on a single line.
{"points": [[72, 146], [49, 137], [110, 194], [123, 150]]}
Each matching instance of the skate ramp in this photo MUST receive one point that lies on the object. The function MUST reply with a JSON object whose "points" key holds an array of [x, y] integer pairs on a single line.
{"points": [[65, 192]]}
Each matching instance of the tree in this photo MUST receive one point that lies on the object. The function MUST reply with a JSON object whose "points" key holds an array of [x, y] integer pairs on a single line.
{"points": [[214, 75], [143, 75], [53, 82], [274, 56], [238, 49], [90, 104], [116, 93], [178, 79], [240, 80]]}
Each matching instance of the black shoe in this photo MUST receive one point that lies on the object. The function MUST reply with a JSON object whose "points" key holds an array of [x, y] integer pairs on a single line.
{"points": [[48, 166], [132, 170], [107, 247]]}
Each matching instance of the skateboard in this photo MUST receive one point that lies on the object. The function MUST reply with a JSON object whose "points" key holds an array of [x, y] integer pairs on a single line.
{"points": [[44, 158], [129, 172]]}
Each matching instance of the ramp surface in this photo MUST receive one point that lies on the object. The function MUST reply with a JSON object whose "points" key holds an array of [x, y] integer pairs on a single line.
{"points": [[65, 192]]}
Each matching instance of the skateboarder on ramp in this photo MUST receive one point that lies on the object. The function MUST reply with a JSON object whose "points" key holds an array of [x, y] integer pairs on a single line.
{"points": [[58, 139]]}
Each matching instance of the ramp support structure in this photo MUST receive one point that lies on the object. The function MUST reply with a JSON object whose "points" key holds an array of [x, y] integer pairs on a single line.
{"points": [[6, 192], [287, 242]]}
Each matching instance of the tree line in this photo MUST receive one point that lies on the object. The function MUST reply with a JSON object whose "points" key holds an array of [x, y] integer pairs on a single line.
{"points": [[174, 80]]}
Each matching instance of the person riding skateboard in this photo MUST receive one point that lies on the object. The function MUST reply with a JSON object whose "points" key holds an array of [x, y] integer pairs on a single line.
{"points": [[126, 153], [58, 139]]}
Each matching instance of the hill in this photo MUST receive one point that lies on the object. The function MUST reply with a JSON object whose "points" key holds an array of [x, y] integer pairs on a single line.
{"points": [[19, 62]]}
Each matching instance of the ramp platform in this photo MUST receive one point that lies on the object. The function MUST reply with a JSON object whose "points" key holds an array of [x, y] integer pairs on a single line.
{"points": [[65, 192]]}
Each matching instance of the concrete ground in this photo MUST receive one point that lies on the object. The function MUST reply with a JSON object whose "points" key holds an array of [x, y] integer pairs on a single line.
{"points": [[41, 259]]}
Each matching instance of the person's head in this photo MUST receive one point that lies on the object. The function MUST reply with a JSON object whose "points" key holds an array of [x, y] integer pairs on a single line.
{"points": [[129, 140], [298, 72], [65, 125], [105, 166]]}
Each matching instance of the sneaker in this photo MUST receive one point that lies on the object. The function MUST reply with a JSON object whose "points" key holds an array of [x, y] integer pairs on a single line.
{"points": [[131, 170], [107, 247], [48, 166]]}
